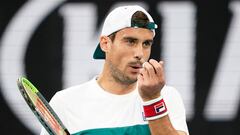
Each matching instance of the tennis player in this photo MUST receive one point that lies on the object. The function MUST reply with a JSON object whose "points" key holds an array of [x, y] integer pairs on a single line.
{"points": [[129, 96]]}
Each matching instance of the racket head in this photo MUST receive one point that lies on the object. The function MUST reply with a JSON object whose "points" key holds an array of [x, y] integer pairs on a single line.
{"points": [[40, 107]]}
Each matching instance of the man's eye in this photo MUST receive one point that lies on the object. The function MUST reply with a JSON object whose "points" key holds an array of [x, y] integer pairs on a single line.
{"points": [[147, 44], [131, 41]]}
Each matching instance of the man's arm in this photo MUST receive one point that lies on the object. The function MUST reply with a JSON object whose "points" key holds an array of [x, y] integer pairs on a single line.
{"points": [[150, 83], [163, 126]]}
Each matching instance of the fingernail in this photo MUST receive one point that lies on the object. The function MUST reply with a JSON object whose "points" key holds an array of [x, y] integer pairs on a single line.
{"points": [[143, 65]]}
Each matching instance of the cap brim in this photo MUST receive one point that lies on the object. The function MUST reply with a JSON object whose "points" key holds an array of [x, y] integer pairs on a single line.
{"points": [[98, 53]]}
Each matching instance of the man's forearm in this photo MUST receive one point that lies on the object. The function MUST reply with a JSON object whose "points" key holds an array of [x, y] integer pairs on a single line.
{"points": [[162, 126]]}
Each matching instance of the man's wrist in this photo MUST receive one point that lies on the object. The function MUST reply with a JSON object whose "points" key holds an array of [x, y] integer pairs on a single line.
{"points": [[155, 108], [149, 98]]}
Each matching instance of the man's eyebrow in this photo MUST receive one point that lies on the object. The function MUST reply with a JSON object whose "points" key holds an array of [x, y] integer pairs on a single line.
{"points": [[127, 38], [133, 38]]}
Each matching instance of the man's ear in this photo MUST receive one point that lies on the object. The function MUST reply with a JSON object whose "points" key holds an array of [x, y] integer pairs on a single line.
{"points": [[105, 43]]}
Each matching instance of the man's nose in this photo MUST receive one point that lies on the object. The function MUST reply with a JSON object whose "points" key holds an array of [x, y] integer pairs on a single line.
{"points": [[138, 50]]}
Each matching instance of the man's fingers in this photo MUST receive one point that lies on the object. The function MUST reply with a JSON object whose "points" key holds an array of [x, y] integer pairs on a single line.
{"points": [[158, 66], [149, 68], [153, 70], [151, 79]]}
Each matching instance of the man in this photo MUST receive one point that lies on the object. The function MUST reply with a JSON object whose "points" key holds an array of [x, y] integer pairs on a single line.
{"points": [[129, 96]]}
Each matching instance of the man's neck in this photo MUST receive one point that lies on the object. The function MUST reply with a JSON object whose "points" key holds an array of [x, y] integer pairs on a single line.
{"points": [[110, 85]]}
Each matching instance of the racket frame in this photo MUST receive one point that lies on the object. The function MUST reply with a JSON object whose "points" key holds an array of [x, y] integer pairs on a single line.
{"points": [[23, 85]]}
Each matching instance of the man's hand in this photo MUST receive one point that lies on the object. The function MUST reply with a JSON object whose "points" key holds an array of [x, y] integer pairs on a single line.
{"points": [[151, 80]]}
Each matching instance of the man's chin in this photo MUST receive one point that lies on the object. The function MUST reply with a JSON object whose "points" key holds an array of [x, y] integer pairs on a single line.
{"points": [[133, 79]]}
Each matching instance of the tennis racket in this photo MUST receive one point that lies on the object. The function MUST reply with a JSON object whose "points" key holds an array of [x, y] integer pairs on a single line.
{"points": [[41, 109]]}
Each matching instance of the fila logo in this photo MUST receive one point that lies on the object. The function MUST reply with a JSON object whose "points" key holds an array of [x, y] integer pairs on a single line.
{"points": [[159, 108]]}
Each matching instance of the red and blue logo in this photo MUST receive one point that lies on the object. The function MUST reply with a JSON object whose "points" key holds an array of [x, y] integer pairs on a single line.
{"points": [[159, 108]]}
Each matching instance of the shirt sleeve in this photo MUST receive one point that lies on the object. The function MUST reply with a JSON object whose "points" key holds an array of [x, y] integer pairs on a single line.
{"points": [[176, 108]]}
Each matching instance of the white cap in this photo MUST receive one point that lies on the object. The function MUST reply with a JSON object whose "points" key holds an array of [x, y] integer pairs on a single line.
{"points": [[118, 19]]}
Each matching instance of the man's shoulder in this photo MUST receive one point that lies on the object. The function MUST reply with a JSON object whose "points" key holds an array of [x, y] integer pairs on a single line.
{"points": [[79, 86], [76, 89]]}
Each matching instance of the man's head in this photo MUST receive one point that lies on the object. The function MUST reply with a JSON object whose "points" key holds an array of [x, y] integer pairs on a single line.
{"points": [[123, 17], [125, 42]]}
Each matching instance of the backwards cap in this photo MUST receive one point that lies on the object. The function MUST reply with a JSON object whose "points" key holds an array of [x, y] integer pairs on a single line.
{"points": [[120, 18]]}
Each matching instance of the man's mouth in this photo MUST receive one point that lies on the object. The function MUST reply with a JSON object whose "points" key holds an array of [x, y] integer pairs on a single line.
{"points": [[136, 66]]}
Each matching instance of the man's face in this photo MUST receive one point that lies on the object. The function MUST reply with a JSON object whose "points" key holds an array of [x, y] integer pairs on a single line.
{"points": [[129, 50]]}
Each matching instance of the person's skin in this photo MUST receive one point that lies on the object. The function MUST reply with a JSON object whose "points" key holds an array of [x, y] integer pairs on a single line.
{"points": [[123, 70]]}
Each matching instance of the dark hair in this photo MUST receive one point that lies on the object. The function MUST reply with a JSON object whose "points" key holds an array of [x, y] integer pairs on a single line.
{"points": [[140, 18], [137, 18]]}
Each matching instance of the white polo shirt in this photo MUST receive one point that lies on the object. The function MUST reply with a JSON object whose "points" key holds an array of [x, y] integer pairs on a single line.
{"points": [[88, 109]]}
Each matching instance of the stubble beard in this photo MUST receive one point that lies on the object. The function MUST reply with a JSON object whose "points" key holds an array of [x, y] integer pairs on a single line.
{"points": [[120, 76]]}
